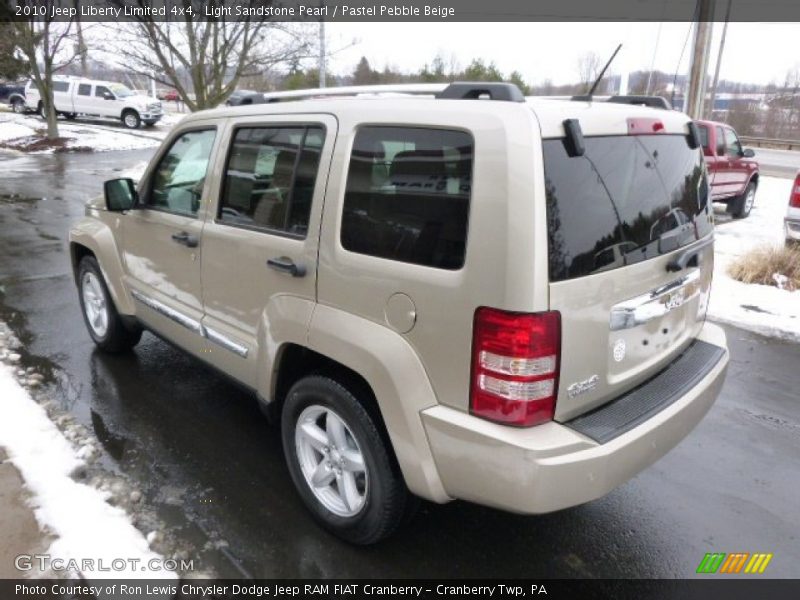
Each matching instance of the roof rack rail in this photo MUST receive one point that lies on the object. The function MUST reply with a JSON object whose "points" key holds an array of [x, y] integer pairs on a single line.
{"points": [[651, 101], [428, 89], [462, 90], [473, 90]]}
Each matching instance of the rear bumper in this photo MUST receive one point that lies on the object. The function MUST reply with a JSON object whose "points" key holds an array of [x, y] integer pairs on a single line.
{"points": [[552, 466], [792, 226]]}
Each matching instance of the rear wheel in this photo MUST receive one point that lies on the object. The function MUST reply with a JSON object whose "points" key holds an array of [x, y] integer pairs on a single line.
{"points": [[339, 462], [741, 206], [18, 106], [71, 116], [105, 326], [131, 120], [42, 112]]}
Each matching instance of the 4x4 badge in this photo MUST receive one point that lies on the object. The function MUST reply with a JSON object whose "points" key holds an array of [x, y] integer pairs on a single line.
{"points": [[580, 387]]}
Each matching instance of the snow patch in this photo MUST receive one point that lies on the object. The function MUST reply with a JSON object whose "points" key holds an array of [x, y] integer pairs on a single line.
{"points": [[764, 309], [85, 525]]}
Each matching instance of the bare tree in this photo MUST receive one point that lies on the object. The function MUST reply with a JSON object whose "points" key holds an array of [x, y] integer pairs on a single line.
{"points": [[589, 65], [204, 60], [48, 48]]}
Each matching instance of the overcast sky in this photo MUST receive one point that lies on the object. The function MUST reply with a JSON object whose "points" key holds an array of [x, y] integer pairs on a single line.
{"points": [[754, 52]]}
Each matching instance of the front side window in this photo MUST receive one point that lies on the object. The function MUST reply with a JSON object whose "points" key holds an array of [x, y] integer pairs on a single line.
{"points": [[270, 177], [100, 91], [84, 89], [407, 196], [732, 143], [179, 178], [720, 141]]}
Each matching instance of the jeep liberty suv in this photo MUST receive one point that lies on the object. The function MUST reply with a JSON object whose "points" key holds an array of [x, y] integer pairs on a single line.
{"points": [[445, 292]]}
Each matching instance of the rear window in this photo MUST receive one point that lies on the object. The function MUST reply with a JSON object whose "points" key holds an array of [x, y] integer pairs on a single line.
{"points": [[407, 195], [627, 199]]}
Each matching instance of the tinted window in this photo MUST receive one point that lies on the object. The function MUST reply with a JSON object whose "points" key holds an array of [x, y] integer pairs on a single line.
{"points": [[101, 90], [407, 195], [84, 89], [732, 143], [270, 178], [179, 178], [60, 86], [703, 131], [720, 141], [628, 199]]}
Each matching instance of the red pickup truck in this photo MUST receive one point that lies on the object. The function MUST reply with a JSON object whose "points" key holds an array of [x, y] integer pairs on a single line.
{"points": [[732, 171]]}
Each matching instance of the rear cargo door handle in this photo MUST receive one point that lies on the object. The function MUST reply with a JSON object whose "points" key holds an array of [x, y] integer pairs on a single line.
{"points": [[284, 264], [185, 238]]}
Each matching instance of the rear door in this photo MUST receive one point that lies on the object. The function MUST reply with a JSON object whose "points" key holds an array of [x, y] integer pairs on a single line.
{"points": [[260, 244], [617, 216]]}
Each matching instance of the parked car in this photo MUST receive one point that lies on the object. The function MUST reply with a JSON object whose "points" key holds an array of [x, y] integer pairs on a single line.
{"points": [[732, 169], [13, 94], [169, 96], [74, 96], [243, 97], [792, 220], [410, 287]]}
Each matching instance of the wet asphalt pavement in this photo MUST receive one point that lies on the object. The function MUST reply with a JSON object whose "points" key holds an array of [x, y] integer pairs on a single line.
{"points": [[213, 468]]}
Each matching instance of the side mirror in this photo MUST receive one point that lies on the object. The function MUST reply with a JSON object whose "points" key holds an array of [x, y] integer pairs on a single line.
{"points": [[748, 153], [108, 96], [120, 194]]}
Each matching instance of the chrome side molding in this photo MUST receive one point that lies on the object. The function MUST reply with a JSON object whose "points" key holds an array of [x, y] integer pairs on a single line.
{"points": [[225, 342], [193, 325]]}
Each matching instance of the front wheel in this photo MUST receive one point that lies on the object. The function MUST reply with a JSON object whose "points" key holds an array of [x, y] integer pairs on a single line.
{"points": [[131, 120], [339, 462], [105, 326], [741, 206]]}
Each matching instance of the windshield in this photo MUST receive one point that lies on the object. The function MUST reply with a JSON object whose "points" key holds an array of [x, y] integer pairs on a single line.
{"points": [[120, 91], [627, 199]]}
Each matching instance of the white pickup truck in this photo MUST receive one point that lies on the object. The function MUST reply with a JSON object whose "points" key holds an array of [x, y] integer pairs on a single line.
{"points": [[74, 96]]}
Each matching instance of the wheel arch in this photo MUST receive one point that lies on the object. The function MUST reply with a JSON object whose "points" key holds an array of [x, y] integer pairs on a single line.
{"points": [[91, 237], [388, 374]]}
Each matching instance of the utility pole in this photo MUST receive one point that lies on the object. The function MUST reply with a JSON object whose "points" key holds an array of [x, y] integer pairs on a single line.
{"points": [[321, 51], [710, 110], [695, 96]]}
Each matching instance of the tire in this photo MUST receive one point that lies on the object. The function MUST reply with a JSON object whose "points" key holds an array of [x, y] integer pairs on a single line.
{"points": [[131, 120], [740, 207], [41, 111], [18, 106], [71, 116], [103, 322], [378, 500]]}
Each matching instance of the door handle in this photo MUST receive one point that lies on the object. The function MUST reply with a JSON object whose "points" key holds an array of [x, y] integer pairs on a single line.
{"points": [[284, 264], [185, 238]]}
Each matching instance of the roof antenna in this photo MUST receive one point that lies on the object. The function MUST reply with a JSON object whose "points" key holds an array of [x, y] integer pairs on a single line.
{"points": [[588, 97]]}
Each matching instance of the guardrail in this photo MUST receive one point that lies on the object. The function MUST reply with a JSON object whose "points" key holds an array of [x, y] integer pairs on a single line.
{"points": [[770, 143]]}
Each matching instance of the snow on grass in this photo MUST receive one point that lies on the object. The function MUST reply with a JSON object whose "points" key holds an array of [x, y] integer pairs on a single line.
{"points": [[98, 135], [760, 308], [85, 525]]}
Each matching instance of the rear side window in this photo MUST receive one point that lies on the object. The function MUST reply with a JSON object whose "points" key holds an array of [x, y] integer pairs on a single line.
{"points": [[60, 86], [84, 89], [627, 199], [407, 195], [269, 181]]}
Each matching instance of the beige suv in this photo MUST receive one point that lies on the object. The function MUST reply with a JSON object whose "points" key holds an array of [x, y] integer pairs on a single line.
{"points": [[439, 292]]}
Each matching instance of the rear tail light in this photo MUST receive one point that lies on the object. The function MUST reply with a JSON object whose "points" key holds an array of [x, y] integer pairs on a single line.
{"points": [[515, 366], [794, 199]]}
